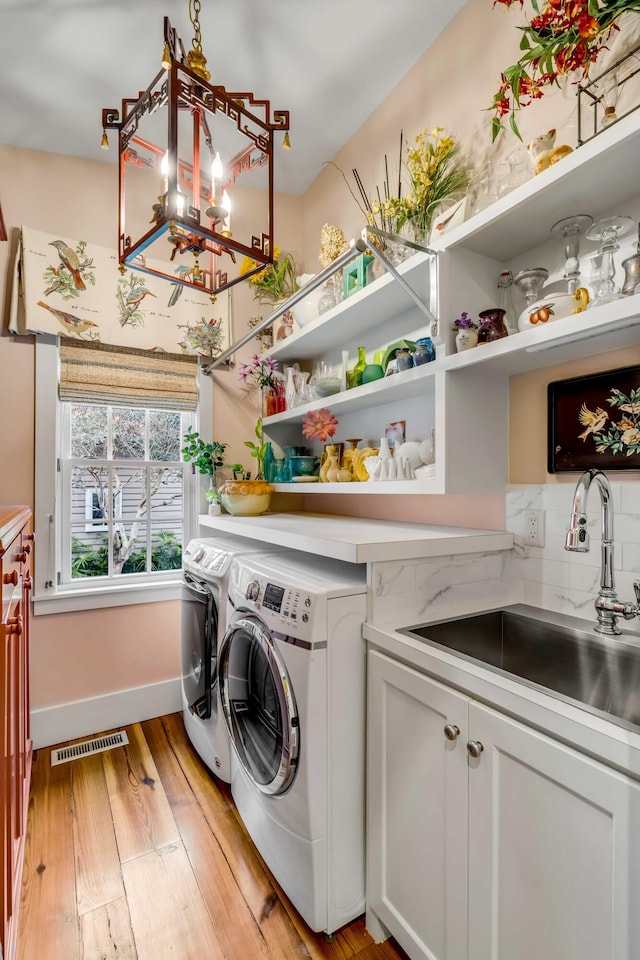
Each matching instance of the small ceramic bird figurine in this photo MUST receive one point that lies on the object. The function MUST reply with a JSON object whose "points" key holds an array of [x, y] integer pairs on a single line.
{"points": [[72, 324], [71, 261], [593, 421]]}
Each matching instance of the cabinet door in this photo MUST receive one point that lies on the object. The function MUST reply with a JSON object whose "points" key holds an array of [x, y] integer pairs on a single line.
{"points": [[417, 811], [554, 849]]}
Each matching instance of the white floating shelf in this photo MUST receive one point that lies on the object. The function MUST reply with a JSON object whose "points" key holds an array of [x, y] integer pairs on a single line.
{"points": [[597, 177], [399, 386], [374, 304], [364, 488], [597, 330]]}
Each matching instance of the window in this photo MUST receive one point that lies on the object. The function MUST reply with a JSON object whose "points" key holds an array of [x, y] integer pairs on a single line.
{"points": [[114, 503], [122, 491]]}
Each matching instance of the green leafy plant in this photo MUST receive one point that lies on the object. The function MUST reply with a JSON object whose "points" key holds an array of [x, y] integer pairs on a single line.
{"points": [[206, 456], [258, 450], [277, 281], [239, 472]]}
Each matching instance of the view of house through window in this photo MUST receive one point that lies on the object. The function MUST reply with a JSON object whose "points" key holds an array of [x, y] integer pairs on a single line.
{"points": [[123, 489]]}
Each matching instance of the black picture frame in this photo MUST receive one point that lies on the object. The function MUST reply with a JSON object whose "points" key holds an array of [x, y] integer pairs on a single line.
{"points": [[594, 422]]}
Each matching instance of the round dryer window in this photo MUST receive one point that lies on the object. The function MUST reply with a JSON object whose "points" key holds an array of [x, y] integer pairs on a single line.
{"points": [[259, 705]]}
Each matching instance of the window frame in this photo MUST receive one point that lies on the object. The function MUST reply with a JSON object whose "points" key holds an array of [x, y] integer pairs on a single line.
{"points": [[49, 595]]}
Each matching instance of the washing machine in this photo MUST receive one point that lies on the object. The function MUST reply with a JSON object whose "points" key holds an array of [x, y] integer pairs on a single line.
{"points": [[206, 565], [291, 673]]}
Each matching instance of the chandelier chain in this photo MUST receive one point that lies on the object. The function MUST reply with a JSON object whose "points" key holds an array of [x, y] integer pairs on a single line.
{"points": [[194, 16]]}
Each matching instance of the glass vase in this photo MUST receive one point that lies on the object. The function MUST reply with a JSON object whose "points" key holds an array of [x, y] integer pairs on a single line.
{"points": [[269, 401]]}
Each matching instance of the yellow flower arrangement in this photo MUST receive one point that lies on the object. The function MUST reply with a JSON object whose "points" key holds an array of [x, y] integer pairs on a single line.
{"points": [[436, 172], [276, 281]]}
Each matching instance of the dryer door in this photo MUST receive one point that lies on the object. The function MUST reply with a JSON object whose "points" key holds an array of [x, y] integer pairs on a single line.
{"points": [[199, 633], [259, 705]]}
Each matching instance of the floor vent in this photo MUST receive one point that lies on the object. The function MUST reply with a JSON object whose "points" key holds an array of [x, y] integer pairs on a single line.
{"points": [[87, 747]]}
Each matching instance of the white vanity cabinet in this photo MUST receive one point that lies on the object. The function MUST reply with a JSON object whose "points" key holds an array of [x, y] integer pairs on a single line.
{"points": [[529, 851], [466, 396]]}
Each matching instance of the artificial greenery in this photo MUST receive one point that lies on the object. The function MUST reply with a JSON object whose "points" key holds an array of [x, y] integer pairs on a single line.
{"points": [[205, 455], [276, 281], [563, 37]]}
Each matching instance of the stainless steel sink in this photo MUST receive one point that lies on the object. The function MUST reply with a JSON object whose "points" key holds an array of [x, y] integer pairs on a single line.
{"points": [[601, 675]]}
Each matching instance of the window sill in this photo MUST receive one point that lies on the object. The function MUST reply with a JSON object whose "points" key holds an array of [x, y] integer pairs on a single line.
{"points": [[66, 601]]}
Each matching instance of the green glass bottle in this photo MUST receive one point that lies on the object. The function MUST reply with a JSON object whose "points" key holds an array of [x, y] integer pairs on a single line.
{"points": [[359, 367]]}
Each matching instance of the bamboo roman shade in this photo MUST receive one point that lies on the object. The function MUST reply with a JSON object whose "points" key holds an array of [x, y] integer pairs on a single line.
{"points": [[97, 373]]}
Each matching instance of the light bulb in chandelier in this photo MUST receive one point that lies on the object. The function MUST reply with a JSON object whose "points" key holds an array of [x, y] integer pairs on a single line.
{"points": [[286, 143], [104, 143], [166, 57]]}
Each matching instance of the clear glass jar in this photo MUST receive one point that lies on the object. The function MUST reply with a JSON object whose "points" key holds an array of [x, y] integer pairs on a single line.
{"points": [[404, 360], [425, 351], [505, 301]]}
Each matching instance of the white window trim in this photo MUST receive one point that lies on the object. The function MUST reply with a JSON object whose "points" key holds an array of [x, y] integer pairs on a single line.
{"points": [[48, 595]]}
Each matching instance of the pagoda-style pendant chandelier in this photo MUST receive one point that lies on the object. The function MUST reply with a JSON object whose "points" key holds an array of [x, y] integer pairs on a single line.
{"points": [[189, 151]]}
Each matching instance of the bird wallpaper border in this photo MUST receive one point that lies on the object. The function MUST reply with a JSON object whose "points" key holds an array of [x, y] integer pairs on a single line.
{"points": [[594, 421], [73, 288]]}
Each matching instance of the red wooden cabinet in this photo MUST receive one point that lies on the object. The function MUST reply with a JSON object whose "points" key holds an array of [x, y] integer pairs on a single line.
{"points": [[16, 560]]}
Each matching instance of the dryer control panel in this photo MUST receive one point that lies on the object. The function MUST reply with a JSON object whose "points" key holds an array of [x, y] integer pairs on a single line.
{"points": [[283, 607]]}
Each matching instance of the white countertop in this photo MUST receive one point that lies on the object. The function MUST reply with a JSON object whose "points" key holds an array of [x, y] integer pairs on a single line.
{"points": [[359, 540]]}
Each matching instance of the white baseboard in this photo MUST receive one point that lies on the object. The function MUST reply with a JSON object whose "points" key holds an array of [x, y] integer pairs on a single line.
{"points": [[85, 718]]}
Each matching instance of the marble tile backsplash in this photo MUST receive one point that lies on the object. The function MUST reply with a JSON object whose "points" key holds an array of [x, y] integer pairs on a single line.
{"points": [[550, 577]]}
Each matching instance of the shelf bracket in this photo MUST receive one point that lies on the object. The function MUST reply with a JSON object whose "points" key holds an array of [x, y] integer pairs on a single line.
{"points": [[361, 245], [386, 263]]}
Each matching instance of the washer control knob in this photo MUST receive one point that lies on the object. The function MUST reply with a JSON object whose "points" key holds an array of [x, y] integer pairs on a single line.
{"points": [[253, 590], [198, 555], [307, 601], [305, 617]]}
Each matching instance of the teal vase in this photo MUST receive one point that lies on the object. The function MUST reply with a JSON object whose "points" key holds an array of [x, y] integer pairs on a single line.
{"points": [[372, 371], [269, 467]]}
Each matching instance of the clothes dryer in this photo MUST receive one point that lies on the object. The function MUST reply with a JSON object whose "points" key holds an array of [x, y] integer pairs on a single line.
{"points": [[291, 671], [206, 564]]}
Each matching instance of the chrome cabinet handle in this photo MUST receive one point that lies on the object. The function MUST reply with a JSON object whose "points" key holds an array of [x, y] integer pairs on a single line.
{"points": [[451, 731], [474, 748]]}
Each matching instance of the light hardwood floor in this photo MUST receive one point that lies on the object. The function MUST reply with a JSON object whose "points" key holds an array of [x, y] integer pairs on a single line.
{"points": [[138, 854]]}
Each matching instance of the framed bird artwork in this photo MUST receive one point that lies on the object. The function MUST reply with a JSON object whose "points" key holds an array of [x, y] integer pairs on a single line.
{"points": [[594, 422]]}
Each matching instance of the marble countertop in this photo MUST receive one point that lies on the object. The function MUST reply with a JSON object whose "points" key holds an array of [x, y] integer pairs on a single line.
{"points": [[356, 539]]}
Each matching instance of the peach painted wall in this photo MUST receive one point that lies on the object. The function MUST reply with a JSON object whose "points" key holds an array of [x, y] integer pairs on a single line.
{"points": [[450, 86], [93, 652]]}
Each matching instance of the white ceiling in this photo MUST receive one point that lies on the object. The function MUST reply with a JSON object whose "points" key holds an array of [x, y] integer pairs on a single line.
{"points": [[329, 62]]}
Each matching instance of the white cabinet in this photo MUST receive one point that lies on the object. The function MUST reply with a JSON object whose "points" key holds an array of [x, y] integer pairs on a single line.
{"points": [[530, 850], [416, 810], [465, 396]]}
